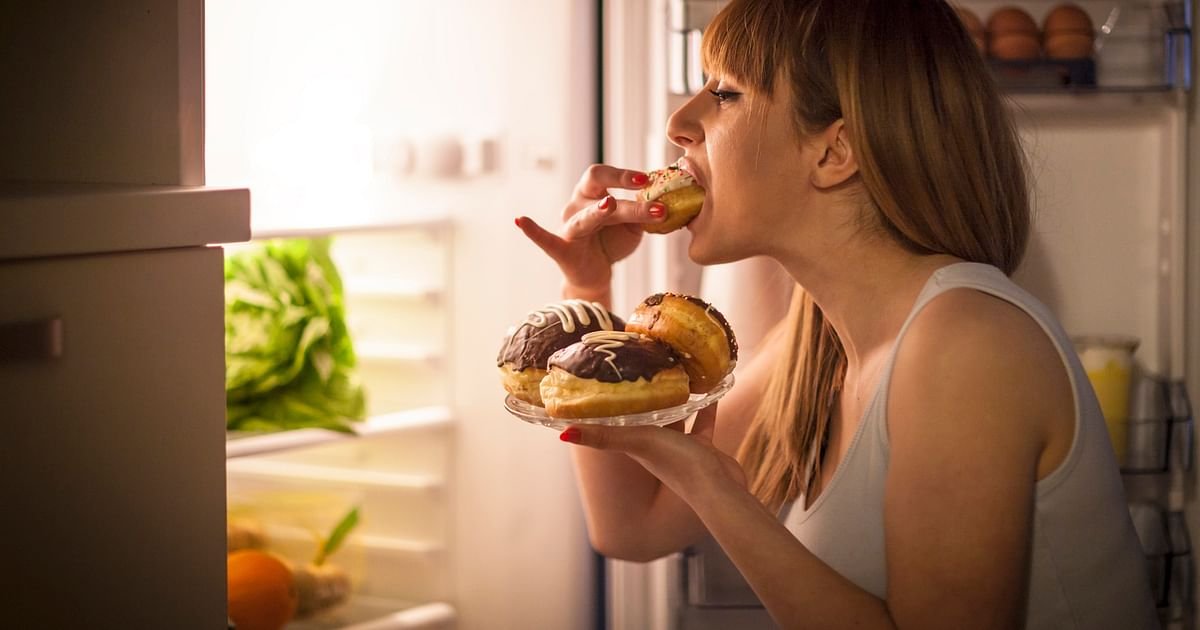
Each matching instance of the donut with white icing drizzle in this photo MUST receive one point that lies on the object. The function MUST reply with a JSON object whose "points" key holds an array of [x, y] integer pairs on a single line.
{"points": [[613, 373], [527, 347]]}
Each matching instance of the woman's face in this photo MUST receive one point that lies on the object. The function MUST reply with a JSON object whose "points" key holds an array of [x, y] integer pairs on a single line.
{"points": [[743, 149]]}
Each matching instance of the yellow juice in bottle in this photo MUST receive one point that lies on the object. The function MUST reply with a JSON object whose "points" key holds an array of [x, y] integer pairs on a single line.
{"points": [[1108, 361]]}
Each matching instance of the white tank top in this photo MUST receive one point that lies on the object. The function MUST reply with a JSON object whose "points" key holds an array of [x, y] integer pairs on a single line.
{"points": [[1088, 569]]}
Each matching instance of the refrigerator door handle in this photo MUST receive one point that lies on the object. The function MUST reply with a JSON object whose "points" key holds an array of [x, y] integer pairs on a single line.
{"points": [[35, 340]]}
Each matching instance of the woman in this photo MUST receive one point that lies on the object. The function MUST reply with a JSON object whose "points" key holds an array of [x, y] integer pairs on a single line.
{"points": [[918, 446]]}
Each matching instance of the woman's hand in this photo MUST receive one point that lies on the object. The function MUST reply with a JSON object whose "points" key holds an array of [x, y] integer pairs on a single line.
{"points": [[597, 230], [686, 463]]}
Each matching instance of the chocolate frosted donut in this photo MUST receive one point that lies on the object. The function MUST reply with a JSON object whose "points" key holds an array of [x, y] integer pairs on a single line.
{"points": [[527, 348], [613, 373], [698, 333]]}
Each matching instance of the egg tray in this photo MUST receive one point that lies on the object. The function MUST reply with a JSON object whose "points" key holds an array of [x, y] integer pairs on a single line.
{"points": [[1044, 73]]}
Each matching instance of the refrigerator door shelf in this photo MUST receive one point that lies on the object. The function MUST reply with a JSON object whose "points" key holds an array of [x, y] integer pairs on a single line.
{"points": [[1138, 46]]}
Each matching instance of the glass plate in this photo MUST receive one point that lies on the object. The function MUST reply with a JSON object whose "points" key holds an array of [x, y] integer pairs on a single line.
{"points": [[537, 415]]}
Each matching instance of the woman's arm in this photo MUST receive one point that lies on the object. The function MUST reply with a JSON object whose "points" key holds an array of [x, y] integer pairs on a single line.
{"points": [[630, 514]]}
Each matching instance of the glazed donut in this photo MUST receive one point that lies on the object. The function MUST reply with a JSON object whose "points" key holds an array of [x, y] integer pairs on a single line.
{"points": [[613, 373], [677, 190], [527, 347], [698, 333]]}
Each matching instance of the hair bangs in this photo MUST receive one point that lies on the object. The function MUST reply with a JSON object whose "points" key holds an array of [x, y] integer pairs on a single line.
{"points": [[744, 41]]}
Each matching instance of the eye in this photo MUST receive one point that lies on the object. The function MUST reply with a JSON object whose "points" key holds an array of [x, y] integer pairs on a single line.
{"points": [[724, 96]]}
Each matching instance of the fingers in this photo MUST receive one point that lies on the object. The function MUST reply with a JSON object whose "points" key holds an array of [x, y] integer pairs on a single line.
{"points": [[598, 178], [634, 439], [610, 211], [705, 423], [631, 440], [551, 243]]}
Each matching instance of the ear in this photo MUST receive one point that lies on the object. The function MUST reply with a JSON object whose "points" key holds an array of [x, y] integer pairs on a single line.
{"points": [[837, 162]]}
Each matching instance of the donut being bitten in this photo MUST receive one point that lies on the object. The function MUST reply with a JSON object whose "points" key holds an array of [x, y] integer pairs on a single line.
{"points": [[698, 333], [527, 349], [678, 192], [613, 373]]}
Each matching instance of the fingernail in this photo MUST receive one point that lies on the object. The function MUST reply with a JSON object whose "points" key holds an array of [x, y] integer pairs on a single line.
{"points": [[639, 179], [657, 211], [603, 205], [571, 435]]}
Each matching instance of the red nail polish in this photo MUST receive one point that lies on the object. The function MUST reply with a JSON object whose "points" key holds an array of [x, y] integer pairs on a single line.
{"points": [[517, 221], [571, 434], [603, 205], [639, 179], [657, 211]]}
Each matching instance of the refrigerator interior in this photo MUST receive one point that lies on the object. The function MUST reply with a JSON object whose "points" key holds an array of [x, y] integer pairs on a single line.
{"points": [[412, 134], [1112, 170]]}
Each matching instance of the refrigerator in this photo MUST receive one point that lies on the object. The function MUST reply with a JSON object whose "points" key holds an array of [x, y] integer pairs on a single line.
{"points": [[151, 139], [1112, 148]]}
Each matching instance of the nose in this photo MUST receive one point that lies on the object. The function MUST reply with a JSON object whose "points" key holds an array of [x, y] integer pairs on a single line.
{"points": [[683, 127]]}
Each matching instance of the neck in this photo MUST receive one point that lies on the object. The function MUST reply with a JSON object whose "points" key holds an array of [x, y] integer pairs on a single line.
{"points": [[865, 286]]}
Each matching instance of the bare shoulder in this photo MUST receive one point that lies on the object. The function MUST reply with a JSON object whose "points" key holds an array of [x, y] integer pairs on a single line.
{"points": [[972, 355], [968, 326]]}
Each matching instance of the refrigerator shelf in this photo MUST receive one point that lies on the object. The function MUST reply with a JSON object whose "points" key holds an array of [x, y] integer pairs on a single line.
{"points": [[241, 445], [388, 548], [393, 287], [319, 474], [397, 352], [376, 613], [435, 222]]}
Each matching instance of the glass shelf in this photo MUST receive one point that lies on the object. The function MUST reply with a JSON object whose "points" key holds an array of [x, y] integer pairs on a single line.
{"points": [[244, 444], [382, 614]]}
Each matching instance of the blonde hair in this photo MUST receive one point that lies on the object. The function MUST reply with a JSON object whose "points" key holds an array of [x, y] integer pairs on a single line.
{"points": [[938, 157]]}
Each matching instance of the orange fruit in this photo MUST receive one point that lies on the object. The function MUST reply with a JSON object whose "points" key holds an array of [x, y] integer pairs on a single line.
{"points": [[261, 593]]}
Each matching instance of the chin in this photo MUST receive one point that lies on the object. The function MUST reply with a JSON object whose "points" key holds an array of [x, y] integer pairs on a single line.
{"points": [[711, 244], [703, 251]]}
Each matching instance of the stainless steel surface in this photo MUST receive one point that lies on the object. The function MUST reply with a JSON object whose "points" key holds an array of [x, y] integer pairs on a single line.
{"points": [[715, 596], [34, 340], [686, 22]]}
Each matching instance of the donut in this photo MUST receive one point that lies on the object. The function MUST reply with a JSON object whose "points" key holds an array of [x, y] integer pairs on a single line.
{"points": [[698, 333], [527, 347], [613, 373], [678, 191]]}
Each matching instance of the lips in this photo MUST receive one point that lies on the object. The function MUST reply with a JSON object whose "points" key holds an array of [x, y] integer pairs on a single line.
{"points": [[686, 165]]}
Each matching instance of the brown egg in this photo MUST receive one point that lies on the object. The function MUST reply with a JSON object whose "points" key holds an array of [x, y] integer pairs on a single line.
{"points": [[1064, 45], [1068, 33], [1068, 18], [1010, 20], [974, 27], [1014, 46]]}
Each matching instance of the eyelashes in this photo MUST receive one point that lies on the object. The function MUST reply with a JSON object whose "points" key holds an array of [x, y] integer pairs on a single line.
{"points": [[724, 96]]}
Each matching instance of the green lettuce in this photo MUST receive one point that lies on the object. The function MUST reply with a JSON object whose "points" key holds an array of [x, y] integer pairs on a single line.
{"points": [[289, 360]]}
